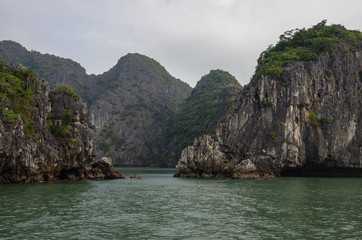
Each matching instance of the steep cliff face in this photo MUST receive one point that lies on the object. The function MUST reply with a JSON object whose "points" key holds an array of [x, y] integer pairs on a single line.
{"points": [[43, 134], [305, 122], [313, 123], [131, 117]]}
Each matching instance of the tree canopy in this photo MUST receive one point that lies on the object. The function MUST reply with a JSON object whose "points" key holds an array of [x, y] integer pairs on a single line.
{"points": [[210, 101], [17, 89], [303, 45]]}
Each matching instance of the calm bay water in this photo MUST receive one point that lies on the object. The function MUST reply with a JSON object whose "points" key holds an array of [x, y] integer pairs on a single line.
{"points": [[162, 207]]}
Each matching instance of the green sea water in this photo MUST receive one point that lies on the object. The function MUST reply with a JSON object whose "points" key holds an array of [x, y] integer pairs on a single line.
{"points": [[162, 207]]}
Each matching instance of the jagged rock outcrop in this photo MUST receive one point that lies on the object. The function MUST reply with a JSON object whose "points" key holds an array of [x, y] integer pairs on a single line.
{"points": [[203, 159], [308, 122], [103, 169], [48, 139]]}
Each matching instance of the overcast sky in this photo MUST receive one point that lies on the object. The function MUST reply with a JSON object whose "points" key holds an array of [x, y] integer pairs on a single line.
{"points": [[188, 37]]}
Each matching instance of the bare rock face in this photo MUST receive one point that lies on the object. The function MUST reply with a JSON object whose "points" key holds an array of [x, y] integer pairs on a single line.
{"points": [[307, 123], [60, 147], [245, 169], [103, 169], [130, 118], [203, 159]]}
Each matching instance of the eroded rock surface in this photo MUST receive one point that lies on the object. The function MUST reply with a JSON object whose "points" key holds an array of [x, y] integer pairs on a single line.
{"points": [[103, 169], [59, 144], [306, 123]]}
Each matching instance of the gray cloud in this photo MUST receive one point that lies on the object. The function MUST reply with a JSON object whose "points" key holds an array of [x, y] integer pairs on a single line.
{"points": [[188, 37]]}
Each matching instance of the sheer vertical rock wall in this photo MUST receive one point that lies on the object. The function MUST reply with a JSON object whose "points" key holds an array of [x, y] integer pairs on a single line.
{"points": [[306, 123]]}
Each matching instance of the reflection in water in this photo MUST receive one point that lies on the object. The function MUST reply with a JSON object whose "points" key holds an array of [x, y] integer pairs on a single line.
{"points": [[162, 207]]}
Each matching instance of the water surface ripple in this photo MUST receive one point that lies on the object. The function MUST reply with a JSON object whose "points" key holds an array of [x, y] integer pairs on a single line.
{"points": [[162, 207]]}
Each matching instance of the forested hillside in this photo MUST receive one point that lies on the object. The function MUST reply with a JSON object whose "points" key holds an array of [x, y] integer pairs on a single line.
{"points": [[211, 100]]}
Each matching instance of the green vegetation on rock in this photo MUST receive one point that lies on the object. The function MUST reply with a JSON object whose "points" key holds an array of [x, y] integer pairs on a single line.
{"points": [[302, 45], [55, 70], [17, 88], [63, 131], [210, 101], [272, 135], [315, 121], [60, 121], [67, 89], [266, 103]]}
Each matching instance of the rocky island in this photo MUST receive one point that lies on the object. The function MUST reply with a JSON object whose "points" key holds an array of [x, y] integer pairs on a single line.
{"points": [[300, 115], [43, 133]]}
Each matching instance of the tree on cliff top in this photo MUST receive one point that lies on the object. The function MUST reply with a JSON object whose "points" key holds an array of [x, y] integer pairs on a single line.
{"points": [[303, 45]]}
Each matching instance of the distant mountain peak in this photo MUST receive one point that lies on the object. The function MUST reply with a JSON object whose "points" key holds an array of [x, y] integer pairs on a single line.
{"points": [[216, 79], [139, 62]]}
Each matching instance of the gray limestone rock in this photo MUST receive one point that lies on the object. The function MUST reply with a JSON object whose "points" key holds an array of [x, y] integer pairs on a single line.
{"points": [[103, 169], [306, 123], [203, 159], [60, 146]]}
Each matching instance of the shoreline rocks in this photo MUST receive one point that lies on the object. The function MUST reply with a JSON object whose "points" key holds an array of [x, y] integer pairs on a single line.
{"points": [[100, 170], [136, 176]]}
